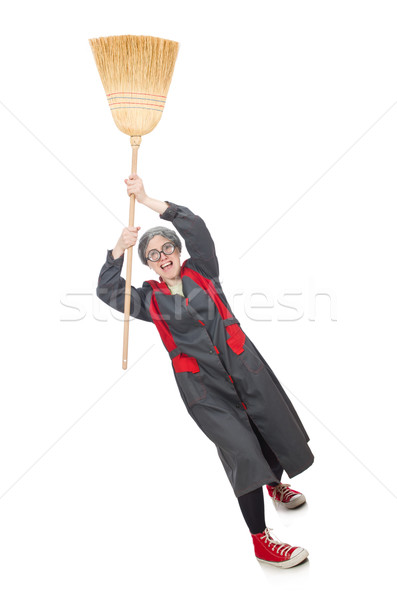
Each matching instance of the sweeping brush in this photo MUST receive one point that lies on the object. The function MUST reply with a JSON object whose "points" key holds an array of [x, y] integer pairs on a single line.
{"points": [[136, 73]]}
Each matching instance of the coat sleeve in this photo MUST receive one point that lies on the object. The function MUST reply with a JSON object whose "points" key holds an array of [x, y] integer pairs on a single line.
{"points": [[111, 289], [198, 240]]}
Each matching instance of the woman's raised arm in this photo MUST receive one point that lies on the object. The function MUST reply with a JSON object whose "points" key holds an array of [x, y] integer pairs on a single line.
{"points": [[135, 186], [192, 228], [198, 240], [111, 286]]}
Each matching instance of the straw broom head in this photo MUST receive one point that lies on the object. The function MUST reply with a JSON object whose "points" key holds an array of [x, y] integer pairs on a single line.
{"points": [[136, 72]]}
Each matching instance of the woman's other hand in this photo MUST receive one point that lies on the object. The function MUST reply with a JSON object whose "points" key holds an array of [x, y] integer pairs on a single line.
{"points": [[135, 186], [128, 237]]}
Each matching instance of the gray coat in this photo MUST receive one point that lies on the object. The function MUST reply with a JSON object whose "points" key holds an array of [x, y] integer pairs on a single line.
{"points": [[225, 383]]}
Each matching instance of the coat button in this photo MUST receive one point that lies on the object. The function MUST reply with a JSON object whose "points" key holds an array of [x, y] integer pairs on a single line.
{"points": [[211, 352]]}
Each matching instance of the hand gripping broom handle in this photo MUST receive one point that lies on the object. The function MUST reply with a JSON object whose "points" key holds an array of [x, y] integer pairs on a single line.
{"points": [[135, 143]]}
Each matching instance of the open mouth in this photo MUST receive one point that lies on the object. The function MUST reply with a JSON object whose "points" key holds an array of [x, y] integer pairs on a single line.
{"points": [[167, 265]]}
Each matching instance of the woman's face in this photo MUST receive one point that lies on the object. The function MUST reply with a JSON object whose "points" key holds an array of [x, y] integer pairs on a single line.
{"points": [[168, 266]]}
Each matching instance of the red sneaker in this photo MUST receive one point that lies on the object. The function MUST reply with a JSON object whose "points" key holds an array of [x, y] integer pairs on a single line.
{"points": [[276, 553], [281, 494]]}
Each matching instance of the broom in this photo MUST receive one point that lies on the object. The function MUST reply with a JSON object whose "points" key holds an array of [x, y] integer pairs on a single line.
{"points": [[136, 73]]}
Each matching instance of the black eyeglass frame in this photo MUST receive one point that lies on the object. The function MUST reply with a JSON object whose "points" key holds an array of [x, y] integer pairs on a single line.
{"points": [[161, 251]]}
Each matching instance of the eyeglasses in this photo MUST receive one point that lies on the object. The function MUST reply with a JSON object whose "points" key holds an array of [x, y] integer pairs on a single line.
{"points": [[155, 255]]}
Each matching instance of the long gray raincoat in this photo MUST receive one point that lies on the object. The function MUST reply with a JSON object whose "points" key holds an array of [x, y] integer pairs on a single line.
{"points": [[225, 383]]}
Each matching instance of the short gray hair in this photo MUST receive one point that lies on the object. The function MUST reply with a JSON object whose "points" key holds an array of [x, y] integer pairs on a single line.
{"points": [[150, 233]]}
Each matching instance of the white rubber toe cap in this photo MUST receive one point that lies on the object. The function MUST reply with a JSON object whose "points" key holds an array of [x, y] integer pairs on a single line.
{"points": [[298, 552]]}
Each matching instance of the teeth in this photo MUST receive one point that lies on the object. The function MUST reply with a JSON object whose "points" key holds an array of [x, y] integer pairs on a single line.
{"points": [[166, 264]]}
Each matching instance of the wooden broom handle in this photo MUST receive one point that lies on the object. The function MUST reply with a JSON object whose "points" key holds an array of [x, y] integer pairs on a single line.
{"points": [[135, 142]]}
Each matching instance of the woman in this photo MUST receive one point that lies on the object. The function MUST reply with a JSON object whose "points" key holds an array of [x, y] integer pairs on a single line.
{"points": [[227, 386]]}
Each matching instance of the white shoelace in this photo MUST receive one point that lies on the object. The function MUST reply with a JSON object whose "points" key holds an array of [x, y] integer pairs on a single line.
{"points": [[282, 488], [283, 548]]}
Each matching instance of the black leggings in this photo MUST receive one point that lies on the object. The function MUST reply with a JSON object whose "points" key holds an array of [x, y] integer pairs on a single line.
{"points": [[252, 504]]}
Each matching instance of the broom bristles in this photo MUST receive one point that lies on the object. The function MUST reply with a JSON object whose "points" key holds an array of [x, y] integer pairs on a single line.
{"points": [[136, 72]]}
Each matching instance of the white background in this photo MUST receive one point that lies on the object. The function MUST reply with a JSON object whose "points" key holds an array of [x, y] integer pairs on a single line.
{"points": [[108, 488]]}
